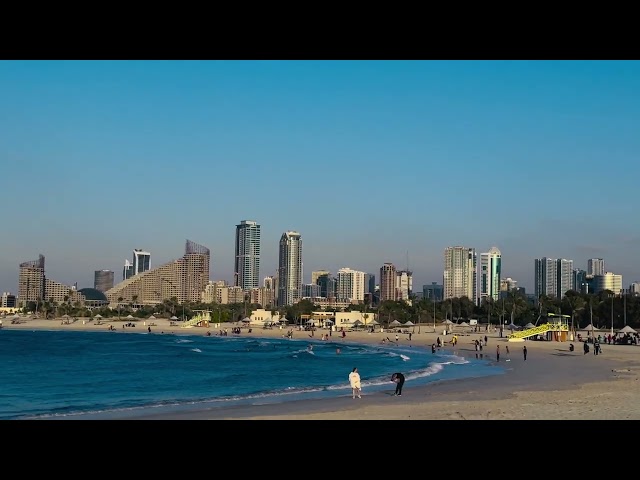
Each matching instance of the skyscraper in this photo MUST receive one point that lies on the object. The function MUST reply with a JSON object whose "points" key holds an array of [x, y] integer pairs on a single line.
{"points": [[103, 280], [289, 269], [31, 281], [553, 277], [388, 282], [141, 261], [460, 276], [595, 266], [350, 285], [490, 271], [247, 260], [127, 270]]}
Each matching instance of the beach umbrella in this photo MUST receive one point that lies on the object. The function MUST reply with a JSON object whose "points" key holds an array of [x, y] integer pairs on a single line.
{"points": [[174, 318], [464, 324], [409, 324], [98, 316], [150, 317], [395, 323], [246, 320], [65, 316], [447, 322], [131, 316], [529, 325]]}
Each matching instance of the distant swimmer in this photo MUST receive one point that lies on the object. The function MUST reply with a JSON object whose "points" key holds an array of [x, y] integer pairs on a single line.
{"points": [[338, 351]]}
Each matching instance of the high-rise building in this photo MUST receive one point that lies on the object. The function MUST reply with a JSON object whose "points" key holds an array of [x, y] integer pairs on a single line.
{"points": [[141, 261], [316, 274], [369, 283], [388, 282], [247, 259], [609, 281], [185, 279], [595, 266], [328, 285], [8, 300], [490, 272], [127, 270], [31, 281], [433, 292], [404, 285], [553, 277], [508, 284], [460, 276], [103, 280], [579, 283], [350, 285], [290, 269]]}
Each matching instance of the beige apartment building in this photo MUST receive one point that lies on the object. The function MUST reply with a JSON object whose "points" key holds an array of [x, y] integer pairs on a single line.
{"points": [[185, 279]]}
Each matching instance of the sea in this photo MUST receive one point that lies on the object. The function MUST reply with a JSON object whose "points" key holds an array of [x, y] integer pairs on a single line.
{"points": [[116, 375]]}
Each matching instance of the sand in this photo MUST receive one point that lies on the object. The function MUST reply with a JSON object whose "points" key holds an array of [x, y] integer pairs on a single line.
{"points": [[552, 384]]}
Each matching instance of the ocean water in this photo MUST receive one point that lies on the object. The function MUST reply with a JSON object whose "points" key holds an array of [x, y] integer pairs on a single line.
{"points": [[116, 375]]}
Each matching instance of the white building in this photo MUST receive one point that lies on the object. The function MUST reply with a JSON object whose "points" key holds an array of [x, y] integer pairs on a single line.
{"points": [[595, 266], [459, 279], [404, 285], [290, 269], [348, 319], [351, 285]]}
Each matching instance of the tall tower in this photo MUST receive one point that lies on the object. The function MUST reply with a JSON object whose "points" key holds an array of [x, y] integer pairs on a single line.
{"points": [[290, 269], [459, 279], [388, 280], [490, 272], [103, 280], [595, 266], [31, 281], [141, 261], [546, 277], [247, 260]]}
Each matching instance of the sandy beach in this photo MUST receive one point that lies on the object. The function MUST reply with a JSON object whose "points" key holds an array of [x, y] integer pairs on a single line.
{"points": [[552, 384]]}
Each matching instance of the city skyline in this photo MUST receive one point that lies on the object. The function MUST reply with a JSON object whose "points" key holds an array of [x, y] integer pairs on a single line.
{"points": [[551, 144]]}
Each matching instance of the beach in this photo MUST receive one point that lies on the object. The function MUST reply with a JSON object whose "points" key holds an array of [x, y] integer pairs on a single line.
{"points": [[552, 384]]}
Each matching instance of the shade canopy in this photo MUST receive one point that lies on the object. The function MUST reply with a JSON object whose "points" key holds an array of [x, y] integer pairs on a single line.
{"points": [[174, 318], [409, 324], [627, 329], [395, 323], [447, 322], [529, 325]]}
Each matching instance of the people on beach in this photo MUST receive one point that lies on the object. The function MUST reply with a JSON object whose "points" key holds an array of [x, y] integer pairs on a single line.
{"points": [[585, 347], [497, 353], [433, 348], [354, 380], [524, 352], [398, 378]]}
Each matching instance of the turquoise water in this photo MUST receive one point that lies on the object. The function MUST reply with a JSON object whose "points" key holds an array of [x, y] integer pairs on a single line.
{"points": [[86, 375]]}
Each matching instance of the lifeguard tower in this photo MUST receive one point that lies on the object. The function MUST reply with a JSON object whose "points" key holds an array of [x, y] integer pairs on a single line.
{"points": [[202, 318], [556, 329]]}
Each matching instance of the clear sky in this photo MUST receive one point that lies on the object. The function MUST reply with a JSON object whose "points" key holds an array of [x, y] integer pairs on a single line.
{"points": [[371, 161]]}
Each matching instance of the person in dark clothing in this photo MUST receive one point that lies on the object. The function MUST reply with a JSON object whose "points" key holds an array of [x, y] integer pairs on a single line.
{"points": [[399, 379], [524, 352], [585, 348]]}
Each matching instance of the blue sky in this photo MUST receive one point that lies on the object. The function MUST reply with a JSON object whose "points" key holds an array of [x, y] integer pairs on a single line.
{"points": [[368, 160]]}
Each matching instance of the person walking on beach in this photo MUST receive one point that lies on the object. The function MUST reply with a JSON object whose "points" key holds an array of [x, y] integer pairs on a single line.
{"points": [[398, 378], [524, 352], [507, 349], [497, 353], [354, 380]]}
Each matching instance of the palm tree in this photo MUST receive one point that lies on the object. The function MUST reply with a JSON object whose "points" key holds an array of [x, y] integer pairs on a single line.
{"points": [[574, 303], [120, 299]]}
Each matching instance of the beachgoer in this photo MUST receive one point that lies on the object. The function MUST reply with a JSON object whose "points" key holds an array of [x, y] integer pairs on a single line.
{"points": [[524, 352], [398, 378], [354, 380], [585, 348], [397, 337], [497, 353], [433, 348]]}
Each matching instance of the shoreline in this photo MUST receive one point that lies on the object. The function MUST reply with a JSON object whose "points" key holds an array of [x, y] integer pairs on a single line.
{"points": [[552, 384]]}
